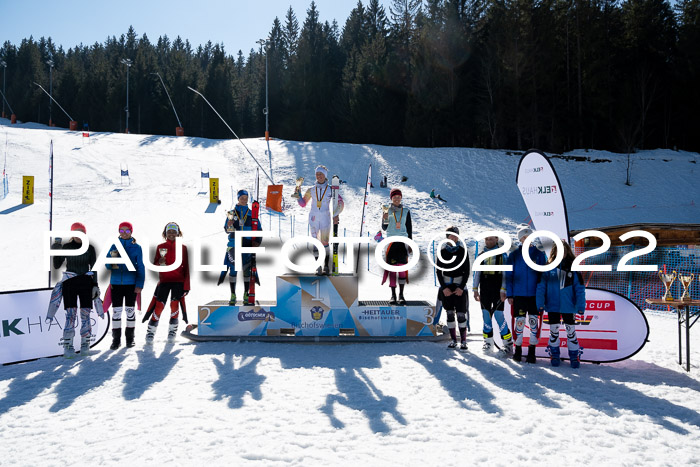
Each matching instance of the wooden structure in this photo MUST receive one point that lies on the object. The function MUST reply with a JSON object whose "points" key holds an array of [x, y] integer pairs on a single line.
{"points": [[685, 316], [665, 234]]}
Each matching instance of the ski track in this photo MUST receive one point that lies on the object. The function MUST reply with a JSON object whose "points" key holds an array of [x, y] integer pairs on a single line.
{"points": [[379, 404]]}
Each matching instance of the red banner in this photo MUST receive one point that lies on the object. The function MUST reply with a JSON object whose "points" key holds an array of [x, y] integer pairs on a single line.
{"points": [[612, 328]]}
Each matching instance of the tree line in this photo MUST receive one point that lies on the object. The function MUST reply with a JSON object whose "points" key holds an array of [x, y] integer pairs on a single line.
{"points": [[552, 74]]}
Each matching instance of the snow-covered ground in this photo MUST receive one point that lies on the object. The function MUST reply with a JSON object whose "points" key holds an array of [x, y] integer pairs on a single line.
{"points": [[227, 403]]}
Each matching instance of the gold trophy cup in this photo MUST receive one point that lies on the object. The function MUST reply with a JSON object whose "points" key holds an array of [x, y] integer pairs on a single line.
{"points": [[299, 181], [163, 252], [115, 254], [231, 215], [685, 282], [667, 281]]}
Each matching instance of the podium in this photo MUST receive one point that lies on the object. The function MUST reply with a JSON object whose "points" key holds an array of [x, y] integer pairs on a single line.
{"points": [[316, 309]]}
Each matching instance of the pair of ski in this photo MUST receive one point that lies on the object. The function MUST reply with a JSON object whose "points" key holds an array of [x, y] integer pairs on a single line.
{"points": [[335, 190], [255, 225]]}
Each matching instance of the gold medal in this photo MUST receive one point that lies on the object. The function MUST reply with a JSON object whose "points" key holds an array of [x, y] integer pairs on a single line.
{"points": [[319, 200]]}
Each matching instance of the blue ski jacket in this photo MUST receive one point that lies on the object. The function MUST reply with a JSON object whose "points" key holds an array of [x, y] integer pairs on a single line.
{"points": [[561, 291], [522, 280], [122, 276]]}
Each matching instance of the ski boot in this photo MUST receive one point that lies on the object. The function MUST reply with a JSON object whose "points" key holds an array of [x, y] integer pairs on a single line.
{"points": [[531, 358], [116, 339], [518, 354], [507, 344], [555, 354], [172, 332], [326, 268], [487, 346], [452, 345], [392, 300], [85, 347], [151, 333], [575, 356], [68, 350], [129, 334]]}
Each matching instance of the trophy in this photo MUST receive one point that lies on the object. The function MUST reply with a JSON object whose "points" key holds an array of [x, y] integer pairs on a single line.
{"points": [[685, 282], [385, 209], [114, 254], [667, 280], [163, 252], [299, 181], [231, 215]]}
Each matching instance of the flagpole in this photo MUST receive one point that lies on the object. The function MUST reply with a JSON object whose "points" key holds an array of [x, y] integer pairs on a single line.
{"points": [[50, 199], [368, 186]]}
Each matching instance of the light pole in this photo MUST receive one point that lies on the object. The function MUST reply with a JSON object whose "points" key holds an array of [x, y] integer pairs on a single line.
{"points": [[266, 110], [49, 62], [127, 62], [4, 74]]}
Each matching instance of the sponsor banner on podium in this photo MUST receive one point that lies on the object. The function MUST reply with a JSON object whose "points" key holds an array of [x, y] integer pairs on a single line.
{"points": [[316, 306], [24, 334], [612, 328]]}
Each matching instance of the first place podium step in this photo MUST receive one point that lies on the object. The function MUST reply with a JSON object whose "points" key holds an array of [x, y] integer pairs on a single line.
{"points": [[317, 307]]}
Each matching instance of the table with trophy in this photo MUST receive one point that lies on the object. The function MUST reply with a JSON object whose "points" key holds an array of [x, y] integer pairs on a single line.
{"points": [[682, 307]]}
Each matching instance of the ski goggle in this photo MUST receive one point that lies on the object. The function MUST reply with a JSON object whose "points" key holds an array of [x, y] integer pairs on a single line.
{"points": [[125, 231]]}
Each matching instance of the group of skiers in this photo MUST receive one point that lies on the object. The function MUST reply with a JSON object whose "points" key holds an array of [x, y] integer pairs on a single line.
{"points": [[80, 282], [560, 292]]}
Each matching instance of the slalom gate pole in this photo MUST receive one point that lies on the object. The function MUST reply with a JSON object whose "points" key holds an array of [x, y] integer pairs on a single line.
{"points": [[50, 198]]}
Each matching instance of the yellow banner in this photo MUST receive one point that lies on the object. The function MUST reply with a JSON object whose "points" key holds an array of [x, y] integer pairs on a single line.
{"points": [[28, 189], [213, 190]]}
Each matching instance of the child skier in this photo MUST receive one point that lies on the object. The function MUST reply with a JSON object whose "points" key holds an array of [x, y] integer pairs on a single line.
{"points": [[397, 223], [238, 219], [125, 285], [452, 283], [434, 196], [561, 294], [492, 297], [320, 213], [78, 282], [521, 288], [175, 283]]}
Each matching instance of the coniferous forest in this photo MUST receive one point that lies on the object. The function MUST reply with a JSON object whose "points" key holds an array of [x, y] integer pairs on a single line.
{"points": [[552, 74]]}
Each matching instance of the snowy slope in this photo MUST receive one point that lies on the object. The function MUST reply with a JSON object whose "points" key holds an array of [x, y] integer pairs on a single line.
{"points": [[380, 404]]}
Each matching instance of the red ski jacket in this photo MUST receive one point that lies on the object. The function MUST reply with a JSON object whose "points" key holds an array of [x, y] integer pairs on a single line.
{"points": [[180, 274]]}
